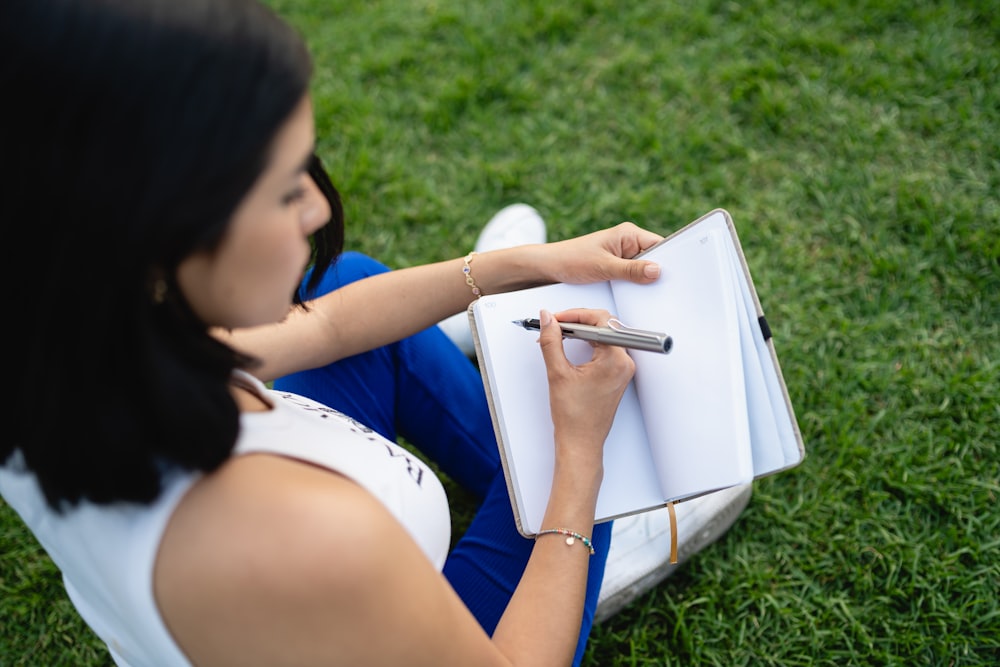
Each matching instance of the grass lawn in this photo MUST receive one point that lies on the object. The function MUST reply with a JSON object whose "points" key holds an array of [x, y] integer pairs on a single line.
{"points": [[857, 146]]}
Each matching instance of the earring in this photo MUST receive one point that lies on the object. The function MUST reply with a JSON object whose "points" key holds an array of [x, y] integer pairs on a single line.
{"points": [[159, 291]]}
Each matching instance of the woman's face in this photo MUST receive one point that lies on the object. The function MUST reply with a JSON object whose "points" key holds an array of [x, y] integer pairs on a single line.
{"points": [[250, 277]]}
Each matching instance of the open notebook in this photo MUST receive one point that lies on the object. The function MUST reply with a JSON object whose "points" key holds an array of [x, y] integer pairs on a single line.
{"points": [[712, 413]]}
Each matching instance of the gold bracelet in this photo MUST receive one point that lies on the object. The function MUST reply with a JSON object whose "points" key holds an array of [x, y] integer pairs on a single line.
{"points": [[467, 270]]}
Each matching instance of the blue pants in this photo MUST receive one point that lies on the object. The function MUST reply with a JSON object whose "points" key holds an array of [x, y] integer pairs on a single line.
{"points": [[424, 390]]}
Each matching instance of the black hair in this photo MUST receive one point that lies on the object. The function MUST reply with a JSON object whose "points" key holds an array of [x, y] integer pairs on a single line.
{"points": [[131, 131]]}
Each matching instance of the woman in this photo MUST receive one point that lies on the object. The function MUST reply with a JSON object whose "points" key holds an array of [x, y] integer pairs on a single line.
{"points": [[165, 149]]}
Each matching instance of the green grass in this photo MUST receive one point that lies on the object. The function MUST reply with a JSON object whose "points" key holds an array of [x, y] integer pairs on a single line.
{"points": [[857, 146]]}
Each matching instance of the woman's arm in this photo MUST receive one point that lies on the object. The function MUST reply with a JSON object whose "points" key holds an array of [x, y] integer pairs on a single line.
{"points": [[388, 307], [271, 561], [545, 611]]}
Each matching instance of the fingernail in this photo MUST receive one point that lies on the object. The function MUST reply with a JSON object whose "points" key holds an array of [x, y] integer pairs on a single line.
{"points": [[544, 318], [651, 270]]}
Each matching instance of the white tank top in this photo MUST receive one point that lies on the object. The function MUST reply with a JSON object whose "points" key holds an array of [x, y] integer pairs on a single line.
{"points": [[106, 553]]}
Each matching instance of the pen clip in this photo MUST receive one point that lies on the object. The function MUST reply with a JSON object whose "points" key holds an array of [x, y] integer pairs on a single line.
{"points": [[618, 325]]}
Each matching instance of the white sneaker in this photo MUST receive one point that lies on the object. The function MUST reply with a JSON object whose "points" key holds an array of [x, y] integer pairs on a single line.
{"points": [[514, 225], [639, 557], [517, 224]]}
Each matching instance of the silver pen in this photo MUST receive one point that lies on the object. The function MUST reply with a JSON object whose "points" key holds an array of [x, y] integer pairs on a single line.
{"points": [[615, 333]]}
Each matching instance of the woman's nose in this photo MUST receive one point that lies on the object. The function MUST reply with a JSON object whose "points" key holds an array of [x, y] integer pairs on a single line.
{"points": [[315, 211]]}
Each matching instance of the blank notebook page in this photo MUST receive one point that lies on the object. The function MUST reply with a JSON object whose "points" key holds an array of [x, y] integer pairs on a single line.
{"points": [[693, 399], [525, 420]]}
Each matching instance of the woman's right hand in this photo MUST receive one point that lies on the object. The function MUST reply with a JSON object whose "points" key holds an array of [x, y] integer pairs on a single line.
{"points": [[583, 398]]}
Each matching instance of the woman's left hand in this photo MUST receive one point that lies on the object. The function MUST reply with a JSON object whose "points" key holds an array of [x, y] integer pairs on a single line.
{"points": [[604, 255]]}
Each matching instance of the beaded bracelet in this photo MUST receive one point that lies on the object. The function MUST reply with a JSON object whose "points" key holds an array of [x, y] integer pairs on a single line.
{"points": [[467, 270], [571, 537]]}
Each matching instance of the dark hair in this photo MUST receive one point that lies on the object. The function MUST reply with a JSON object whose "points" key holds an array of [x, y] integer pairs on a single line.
{"points": [[132, 130]]}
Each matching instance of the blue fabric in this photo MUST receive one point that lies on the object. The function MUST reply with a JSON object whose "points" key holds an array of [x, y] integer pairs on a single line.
{"points": [[425, 390]]}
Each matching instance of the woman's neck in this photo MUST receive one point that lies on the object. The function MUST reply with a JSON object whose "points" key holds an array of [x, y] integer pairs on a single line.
{"points": [[247, 397]]}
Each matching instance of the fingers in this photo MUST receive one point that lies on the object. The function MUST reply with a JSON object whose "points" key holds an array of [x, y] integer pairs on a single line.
{"points": [[630, 241], [592, 316], [633, 270], [550, 338], [583, 398], [642, 239]]}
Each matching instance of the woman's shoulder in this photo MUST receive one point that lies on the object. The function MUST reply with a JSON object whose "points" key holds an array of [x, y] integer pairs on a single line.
{"points": [[408, 487], [267, 547], [275, 507]]}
